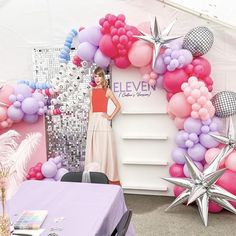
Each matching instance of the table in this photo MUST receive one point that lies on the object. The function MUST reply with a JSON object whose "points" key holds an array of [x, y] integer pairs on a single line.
{"points": [[74, 209]]}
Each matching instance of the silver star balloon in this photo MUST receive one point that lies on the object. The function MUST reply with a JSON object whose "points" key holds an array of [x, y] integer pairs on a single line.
{"points": [[200, 187], [157, 38]]}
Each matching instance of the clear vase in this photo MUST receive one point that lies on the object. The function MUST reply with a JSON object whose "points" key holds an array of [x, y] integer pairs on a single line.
{"points": [[4, 219]]}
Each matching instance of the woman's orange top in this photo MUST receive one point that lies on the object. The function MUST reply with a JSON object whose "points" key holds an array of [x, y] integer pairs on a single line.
{"points": [[99, 100]]}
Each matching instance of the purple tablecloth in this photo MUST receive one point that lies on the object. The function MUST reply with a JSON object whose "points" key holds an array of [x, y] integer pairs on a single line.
{"points": [[79, 209]]}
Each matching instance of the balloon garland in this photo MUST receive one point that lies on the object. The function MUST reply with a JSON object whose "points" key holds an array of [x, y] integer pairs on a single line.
{"points": [[183, 72]]}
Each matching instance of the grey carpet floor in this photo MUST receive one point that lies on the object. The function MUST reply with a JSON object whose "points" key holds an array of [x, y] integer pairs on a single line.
{"points": [[150, 219]]}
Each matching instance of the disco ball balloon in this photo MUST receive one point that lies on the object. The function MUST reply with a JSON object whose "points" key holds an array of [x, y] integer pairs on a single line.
{"points": [[224, 103], [198, 41]]}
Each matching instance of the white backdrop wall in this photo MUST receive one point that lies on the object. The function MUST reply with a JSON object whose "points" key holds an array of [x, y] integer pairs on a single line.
{"points": [[27, 24]]}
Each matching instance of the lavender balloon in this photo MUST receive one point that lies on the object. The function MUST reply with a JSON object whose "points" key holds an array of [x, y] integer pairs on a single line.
{"points": [[207, 141], [180, 138], [94, 35], [49, 169], [24, 90], [31, 118], [101, 60], [86, 51], [197, 152], [39, 97], [15, 114], [159, 82], [160, 67], [188, 57], [178, 155], [192, 125], [198, 164], [60, 173], [83, 36], [30, 106]]}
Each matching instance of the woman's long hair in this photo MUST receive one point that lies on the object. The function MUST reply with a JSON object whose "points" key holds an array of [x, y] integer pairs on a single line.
{"points": [[101, 73]]}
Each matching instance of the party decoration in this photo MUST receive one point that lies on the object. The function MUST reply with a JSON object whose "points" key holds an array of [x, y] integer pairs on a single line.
{"points": [[200, 187], [157, 38], [17, 157], [198, 41], [224, 103]]}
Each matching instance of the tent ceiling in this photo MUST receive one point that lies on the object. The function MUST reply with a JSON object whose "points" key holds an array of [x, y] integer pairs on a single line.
{"points": [[216, 10]]}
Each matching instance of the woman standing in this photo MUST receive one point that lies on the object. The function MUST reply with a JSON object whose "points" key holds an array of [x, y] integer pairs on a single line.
{"points": [[100, 148]]}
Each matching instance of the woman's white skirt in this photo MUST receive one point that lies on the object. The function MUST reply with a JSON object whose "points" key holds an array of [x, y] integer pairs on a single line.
{"points": [[100, 147]]}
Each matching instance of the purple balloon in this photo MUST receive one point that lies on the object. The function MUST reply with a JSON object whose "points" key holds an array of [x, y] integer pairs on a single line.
{"points": [[12, 98], [159, 83], [60, 173], [39, 97], [15, 114], [86, 51], [198, 164], [83, 36], [49, 169], [57, 159], [160, 67], [218, 122], [94, 35], [193, 137], [30, 106], [192, 125], [101, 60], [188, 57], [31, 118], [178, 155], [181, 138], [17, 104], [24, 90], [207, 141], [197, 152], [189, 143], [205, 129], [59, 165]]}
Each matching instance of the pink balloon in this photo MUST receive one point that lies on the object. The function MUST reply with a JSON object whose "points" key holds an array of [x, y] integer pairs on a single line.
{"points": [[146, 77], [202, 68], [152, 82], [214, 208], [122, 62], [227, 181], [179, 122], [137, 52], [5, 92], [176, 170], [230, 163], [172, 81], [153, 75], [211, 154], [3, 113], [178, 190], [179, 106], [146, 69]]}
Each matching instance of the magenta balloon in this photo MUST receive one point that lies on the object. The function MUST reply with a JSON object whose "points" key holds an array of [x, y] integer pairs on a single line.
{"points": [[176, 170], [160, 67], [197, 152], [31, 118], [30, 105], [49, 169], [101, 60], [24, 90], [207, 141], [94, 35], [15, 114], [86, 51], [227, 181], [192, 125], [60, 173]]}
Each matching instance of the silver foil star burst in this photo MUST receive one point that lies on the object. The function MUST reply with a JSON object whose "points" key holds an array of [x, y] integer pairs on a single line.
{"points": [[157, 38], [200, 187]]}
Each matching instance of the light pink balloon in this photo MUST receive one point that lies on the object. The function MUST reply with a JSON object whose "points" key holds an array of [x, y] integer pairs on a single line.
{"points": [[153, 75], [140, 54], [179, 106], [230, 163], [152, 82], [146, 77], [211, 154], [3, 113], [179, 122], [146, 69]]}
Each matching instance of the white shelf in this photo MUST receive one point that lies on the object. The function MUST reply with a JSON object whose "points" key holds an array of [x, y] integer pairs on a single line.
{"points": [[147, 188], [145, 137], [145, 163], [144, 113]]}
